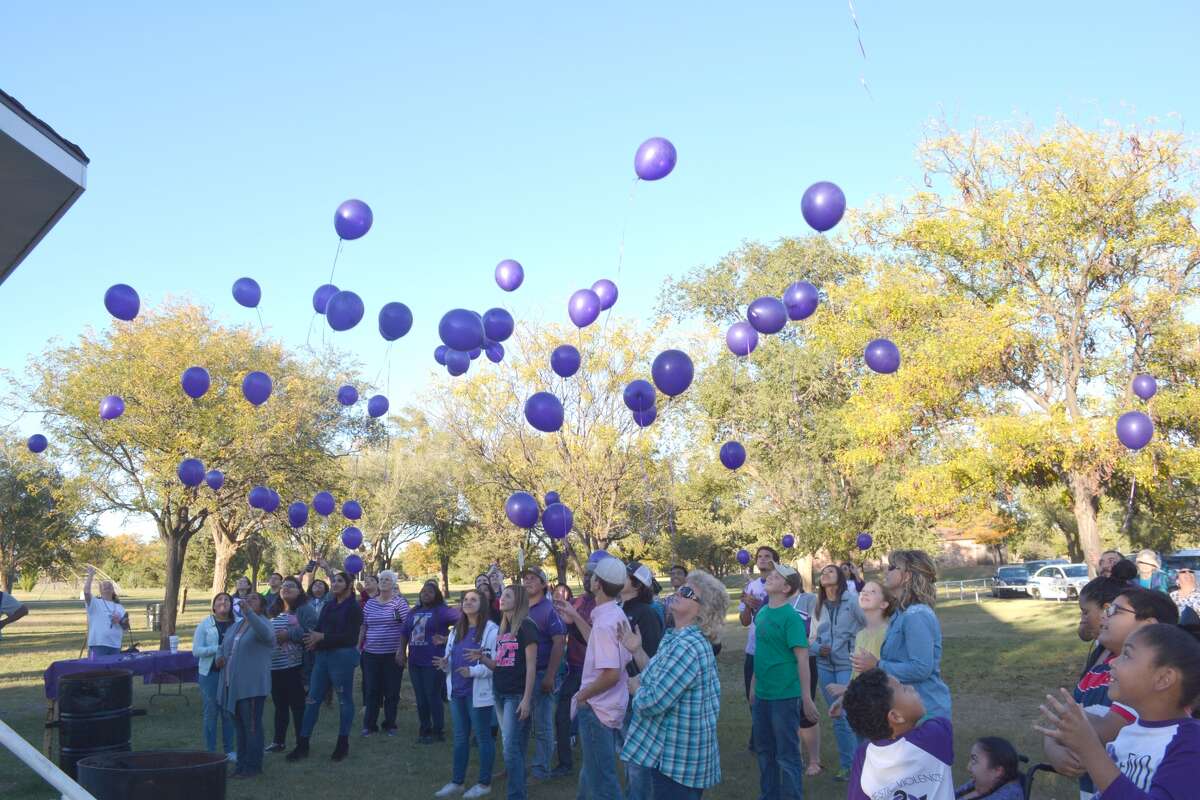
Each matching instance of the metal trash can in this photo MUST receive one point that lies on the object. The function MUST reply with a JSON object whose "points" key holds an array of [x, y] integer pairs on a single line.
{"points": [[93, 715], [154, 616], [155, 774]]}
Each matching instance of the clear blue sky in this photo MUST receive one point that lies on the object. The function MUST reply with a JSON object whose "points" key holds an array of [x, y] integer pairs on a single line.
{"points": [[223, 137]]}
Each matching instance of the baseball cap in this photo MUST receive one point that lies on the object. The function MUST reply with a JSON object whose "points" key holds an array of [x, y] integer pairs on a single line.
{"points": [[594, 559], [641, 572], [536, 570], [610, 570], [784, 570]]}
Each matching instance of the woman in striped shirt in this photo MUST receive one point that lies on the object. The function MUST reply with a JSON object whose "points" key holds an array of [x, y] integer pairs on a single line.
{"points": [[384, 616], [292, 618]]}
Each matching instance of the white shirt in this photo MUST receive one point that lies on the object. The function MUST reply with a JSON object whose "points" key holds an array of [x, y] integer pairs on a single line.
{"points": [[102, 631], [757, 588]]}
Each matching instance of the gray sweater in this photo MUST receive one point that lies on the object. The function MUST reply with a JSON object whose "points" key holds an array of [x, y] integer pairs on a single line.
{"points": [[837, 626], [247, 670]]}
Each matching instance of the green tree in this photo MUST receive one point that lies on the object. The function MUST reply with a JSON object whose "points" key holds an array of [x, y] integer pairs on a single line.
{"points": [[129, 464], [1083, 244], [42, 515]]}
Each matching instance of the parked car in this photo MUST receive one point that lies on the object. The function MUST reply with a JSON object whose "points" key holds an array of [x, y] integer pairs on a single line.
{"points": [[1011, 581], [1178, 560], [1034, 566], [1058, 581]]}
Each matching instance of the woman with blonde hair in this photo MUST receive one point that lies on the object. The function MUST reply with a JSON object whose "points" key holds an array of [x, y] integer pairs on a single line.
{"points": [[514, 668], [677, 697], [912, 648]]}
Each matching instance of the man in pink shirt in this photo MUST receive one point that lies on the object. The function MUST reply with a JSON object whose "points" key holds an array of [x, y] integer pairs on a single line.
{"points": [[603, 696]]}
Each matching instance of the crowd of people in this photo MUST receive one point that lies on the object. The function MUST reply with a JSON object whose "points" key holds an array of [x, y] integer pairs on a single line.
{"points": [[631, 681]]}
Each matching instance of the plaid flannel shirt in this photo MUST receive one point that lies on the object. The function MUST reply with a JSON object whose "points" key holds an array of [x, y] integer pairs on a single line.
{"points": [[675, 710]]}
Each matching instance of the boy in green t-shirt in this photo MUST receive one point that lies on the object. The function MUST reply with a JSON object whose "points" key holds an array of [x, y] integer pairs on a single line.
{"points": [[780, 688]]}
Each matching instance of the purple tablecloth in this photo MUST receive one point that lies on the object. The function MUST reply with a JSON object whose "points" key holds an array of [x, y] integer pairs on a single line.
{"points": [[154, 665]]}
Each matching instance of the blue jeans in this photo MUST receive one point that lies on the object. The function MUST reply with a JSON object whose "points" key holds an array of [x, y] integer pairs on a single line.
{"points": [[516, 739], [544, 705], [429, 686], [777, 743], [847, 742], [331, 668], [667, 789], [600, 745], [248, 720], [466, 718], [639, 780], [210, 684], [102, 650]]}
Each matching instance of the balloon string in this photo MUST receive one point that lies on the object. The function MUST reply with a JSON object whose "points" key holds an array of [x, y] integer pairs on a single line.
{"points": [[625, 226], [261, 327], [858, 34], [333, 269]]}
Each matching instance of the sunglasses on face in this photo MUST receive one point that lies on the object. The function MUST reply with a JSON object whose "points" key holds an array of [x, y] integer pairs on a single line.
{"points": [[687, 593]]}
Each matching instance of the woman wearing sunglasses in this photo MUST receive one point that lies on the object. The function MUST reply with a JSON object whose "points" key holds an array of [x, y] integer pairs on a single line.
{"points": [[677, 697]]}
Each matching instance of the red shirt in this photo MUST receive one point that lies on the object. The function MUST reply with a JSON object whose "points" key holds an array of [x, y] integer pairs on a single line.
{"points": [[576, 644]]}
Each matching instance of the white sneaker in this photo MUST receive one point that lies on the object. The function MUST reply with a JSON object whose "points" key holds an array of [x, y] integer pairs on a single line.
{"points": [[478, 790], [449, 790], [231, 758]]}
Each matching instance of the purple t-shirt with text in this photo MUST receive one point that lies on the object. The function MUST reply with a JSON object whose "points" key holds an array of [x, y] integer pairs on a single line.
{"points": [[419, 629]]}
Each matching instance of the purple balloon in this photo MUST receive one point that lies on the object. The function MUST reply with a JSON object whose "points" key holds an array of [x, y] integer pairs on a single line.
{"points": [[122, 301], [461, 329], [606, 290], [439, 354], [497, 324], [377, 406], [801, 300], [476, 353], [544, 411], [644, 419], [823, 205], [344, 311], [639, 395], [558, 520], [297, 514], [509, 275], [457, 362], [741, 338], [564, 361], [259, 496], [395, 320], [352, 219], [111, 407], [37, 443], [743, 557], [195, 382], [247, 292], [353, 564], [351, 509], [494, 351], [767, 315], [322, 295], [351, 537], [552, 498], [1144, 386], [1135, 429], [882, 356], [864, 541], [347, 395], [733, 455], [522, 510], [272, 502], [215, 479], [788, 541], [323, 503], [583, 308], [256, 387], [655, 159], [672, 371], [190, 472]]}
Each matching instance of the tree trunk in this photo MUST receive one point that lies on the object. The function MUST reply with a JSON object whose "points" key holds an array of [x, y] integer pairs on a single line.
{"points": [[7, 578], [176, 550], [1085, 494], [225, 551], [444, 562]]}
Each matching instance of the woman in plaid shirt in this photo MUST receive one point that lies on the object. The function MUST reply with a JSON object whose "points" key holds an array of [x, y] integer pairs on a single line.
{"points": [[677, 697]]}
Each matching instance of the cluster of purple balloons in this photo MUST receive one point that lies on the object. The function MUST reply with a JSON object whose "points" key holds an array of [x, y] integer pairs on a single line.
{"points": [[1135, 429], [522, 511], [672, 372], [585, 305], [768, 315], [466, 335], [264, 499]]}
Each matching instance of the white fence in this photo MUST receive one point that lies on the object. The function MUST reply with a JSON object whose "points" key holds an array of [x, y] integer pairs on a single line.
{"points": [[47, 769]]}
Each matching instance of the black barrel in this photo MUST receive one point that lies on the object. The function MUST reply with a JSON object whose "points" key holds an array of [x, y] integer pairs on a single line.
{"points": [[155, 775], [93, 715]]}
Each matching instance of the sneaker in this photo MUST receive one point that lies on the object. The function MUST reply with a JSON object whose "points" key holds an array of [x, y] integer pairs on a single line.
{"points": [[842, 775], [449, 790], [391, 731], [231, 758], [274, 747], [478, 790], [368, 732]]}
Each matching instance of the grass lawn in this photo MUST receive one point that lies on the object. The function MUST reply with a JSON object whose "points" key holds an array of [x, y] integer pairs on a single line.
{"points": [[1000, 656]]}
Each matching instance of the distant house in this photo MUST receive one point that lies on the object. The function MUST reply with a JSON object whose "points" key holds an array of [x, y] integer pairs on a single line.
{"points": [[41, 176], [979, 540]]}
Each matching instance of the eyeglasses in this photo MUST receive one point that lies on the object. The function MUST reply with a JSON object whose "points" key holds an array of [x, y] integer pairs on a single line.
{"points": [[687, 593], [893, 566], [1116, 608]]}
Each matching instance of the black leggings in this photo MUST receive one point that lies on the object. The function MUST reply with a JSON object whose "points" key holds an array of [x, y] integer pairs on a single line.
{"points": [[287, 693]]}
